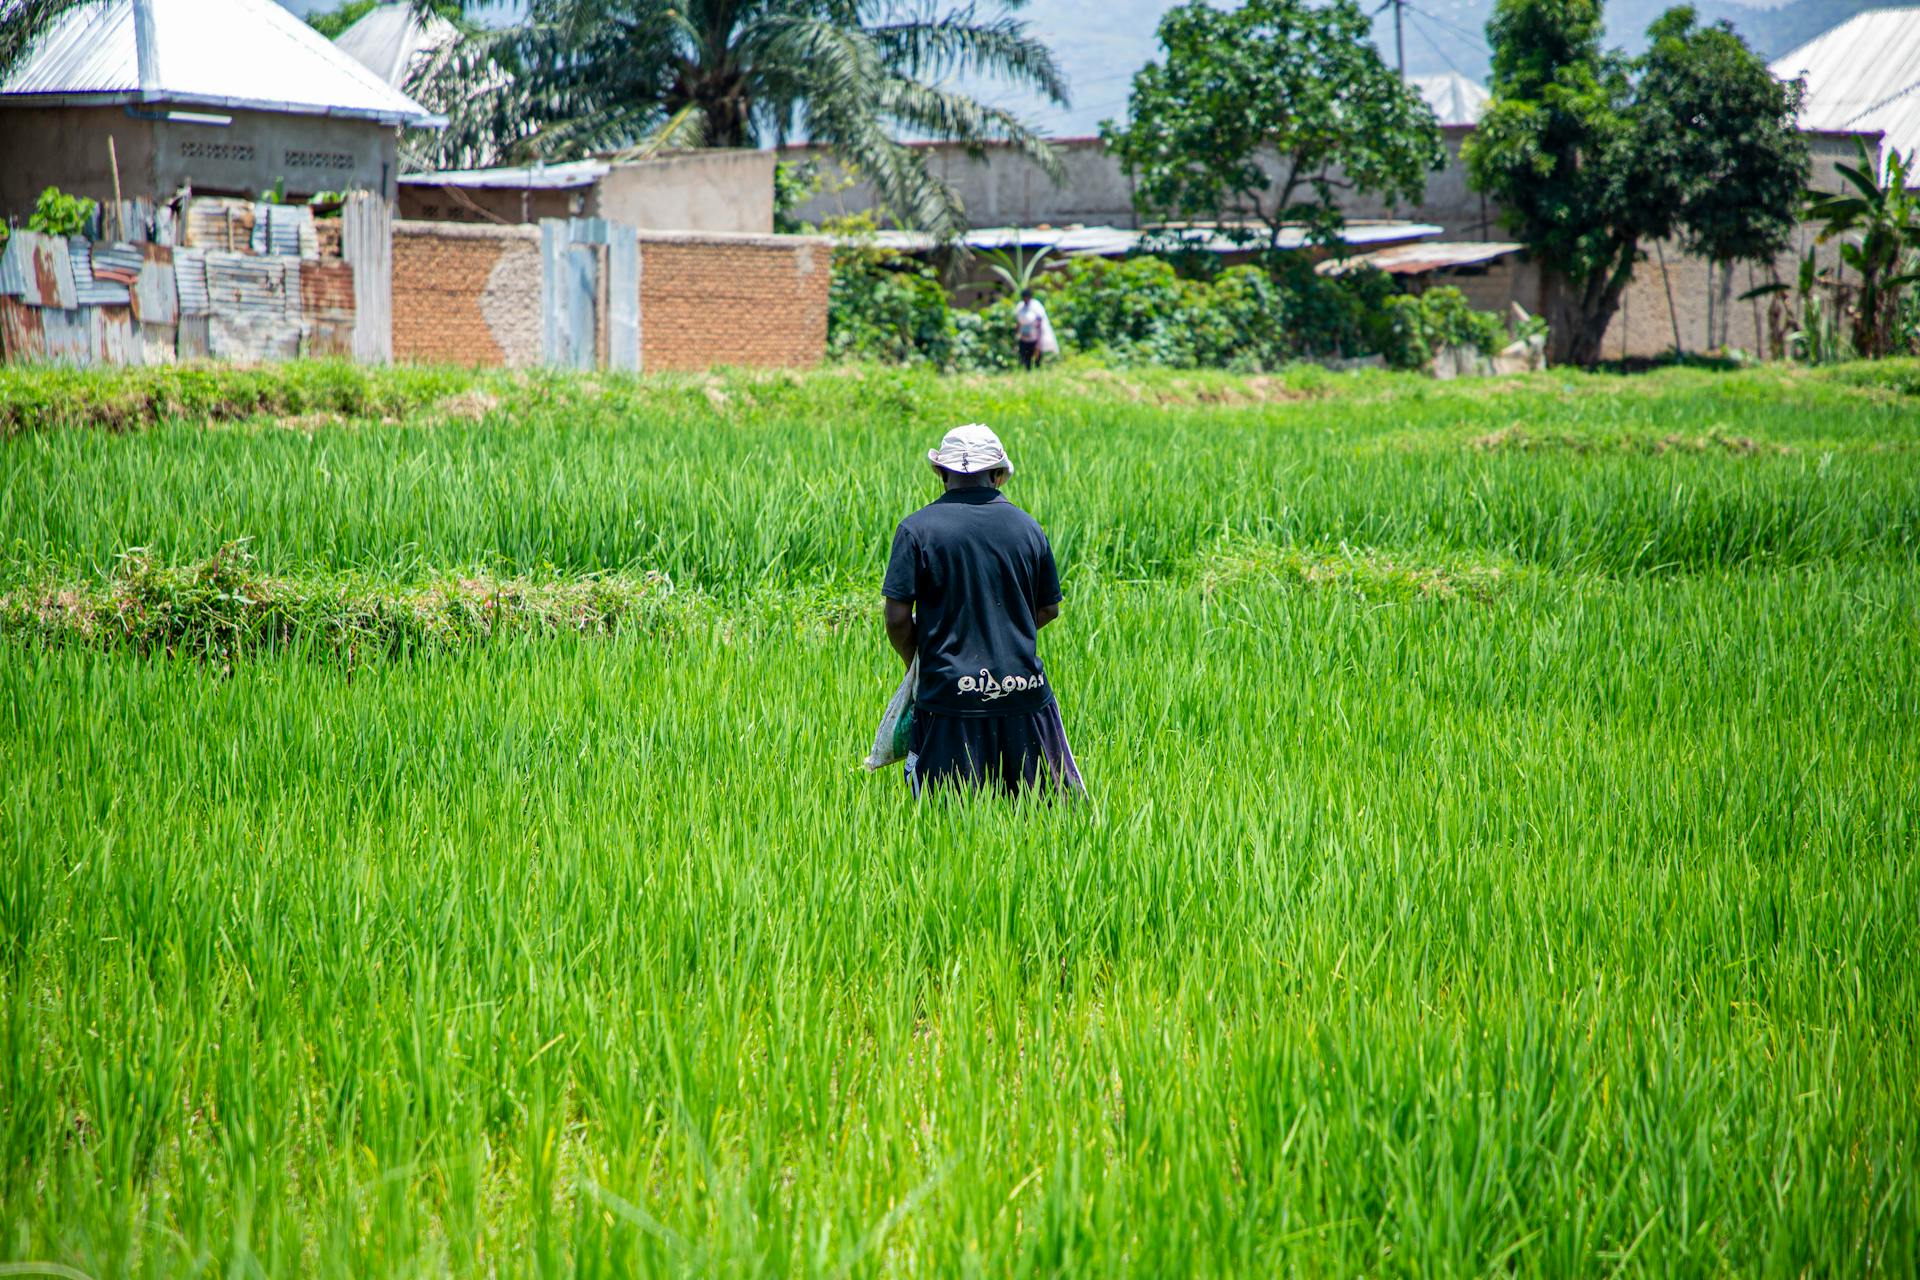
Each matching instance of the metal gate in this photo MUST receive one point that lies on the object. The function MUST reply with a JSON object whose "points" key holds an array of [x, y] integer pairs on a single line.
{"points": [[590, 291]]}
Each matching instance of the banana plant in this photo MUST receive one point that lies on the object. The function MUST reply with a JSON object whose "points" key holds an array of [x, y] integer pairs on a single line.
{"points": [[1016, 269], [1878, 226]]}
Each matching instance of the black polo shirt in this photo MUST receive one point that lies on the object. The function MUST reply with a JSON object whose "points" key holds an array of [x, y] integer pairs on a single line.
{"points": [[977, 569]]}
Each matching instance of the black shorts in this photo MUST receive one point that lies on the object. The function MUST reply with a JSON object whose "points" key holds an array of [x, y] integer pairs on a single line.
{"points": [[1029, 354], [1006, 753]]}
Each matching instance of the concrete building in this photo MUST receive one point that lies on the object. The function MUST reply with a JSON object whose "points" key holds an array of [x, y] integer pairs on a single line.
{"points": [[1863, 76], [718, 191], [227, 97], [392, 40], [1000, 186]]}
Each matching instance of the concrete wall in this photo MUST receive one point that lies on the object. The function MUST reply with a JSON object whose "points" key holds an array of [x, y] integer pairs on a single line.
{"points": [[729, 192], [1646, 321], [726, 192], [67, 147], [466, 294], [997, 184], [496, 206]]}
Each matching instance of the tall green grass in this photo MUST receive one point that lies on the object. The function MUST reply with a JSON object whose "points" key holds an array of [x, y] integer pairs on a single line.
{"points": [[1562, 923], [787, 482]]}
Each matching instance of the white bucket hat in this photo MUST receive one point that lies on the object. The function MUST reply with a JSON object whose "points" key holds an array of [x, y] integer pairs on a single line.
{"points": [[970, 450]]}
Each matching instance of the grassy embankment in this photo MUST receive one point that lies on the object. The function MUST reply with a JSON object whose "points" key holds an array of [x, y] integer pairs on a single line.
{"points": [[1499, 854]]}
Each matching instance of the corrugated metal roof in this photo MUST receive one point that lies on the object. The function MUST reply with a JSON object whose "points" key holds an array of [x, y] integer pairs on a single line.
{"points": [[391, 40], [1863, 76], [90, 290], [1418, 259], [247, 54], [540, 177], [1112, 241], [1455, 99], [41, 270], [190, 282]]}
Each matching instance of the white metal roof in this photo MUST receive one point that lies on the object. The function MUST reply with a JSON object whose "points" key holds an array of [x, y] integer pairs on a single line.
{"points": [[391, 40], [539, 177], [237, 54], [1455, 99], [1111, 241], [1863, 76]]}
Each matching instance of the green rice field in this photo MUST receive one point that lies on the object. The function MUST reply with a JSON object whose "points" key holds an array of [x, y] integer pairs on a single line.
{"points": [[432, 839]]}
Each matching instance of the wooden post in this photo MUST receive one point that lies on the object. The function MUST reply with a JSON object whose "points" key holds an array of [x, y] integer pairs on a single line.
{"points": [[119, 220]]}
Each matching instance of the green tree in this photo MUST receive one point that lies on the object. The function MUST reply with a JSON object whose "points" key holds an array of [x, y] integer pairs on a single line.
{"points": [[1267, 113], [1593, 156], [1731, 126], [332, 22], [590, 76]]}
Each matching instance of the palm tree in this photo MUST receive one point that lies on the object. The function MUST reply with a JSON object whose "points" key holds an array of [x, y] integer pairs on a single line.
{"points": [[22, 23], [593, 76]]}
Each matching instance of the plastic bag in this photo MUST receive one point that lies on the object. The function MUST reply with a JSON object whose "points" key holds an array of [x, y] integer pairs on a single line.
{"points": [[896, 723]]}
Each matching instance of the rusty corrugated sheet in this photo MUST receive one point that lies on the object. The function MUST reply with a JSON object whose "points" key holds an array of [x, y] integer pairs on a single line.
{"points": [[193, 342], [90, 290], [113, 341], [156, 297], [119, 263], [190, 281], [20, 336], [66, 337], [12, 280], [158, 342], [1419, 259], [256, 307], [45, 268], [284, 229]]}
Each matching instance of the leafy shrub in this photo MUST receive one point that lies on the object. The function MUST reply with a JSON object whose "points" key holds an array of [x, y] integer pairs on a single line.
{"points": [[59, 214], [1142, 311], [794, 183], [1125, 310], [1419, 325], [885, 305]]}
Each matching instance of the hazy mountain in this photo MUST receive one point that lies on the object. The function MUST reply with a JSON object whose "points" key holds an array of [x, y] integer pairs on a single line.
{"points": [[1102, 42]]}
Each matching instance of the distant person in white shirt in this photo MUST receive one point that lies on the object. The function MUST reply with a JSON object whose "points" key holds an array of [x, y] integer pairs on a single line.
{"points": [[1034, 331]]}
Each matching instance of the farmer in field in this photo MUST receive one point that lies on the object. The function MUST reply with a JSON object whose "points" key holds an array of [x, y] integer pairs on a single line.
{"points": [[969, 585], [1033, 331]]}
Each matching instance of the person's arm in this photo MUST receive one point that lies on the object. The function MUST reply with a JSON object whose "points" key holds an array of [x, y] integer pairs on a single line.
{"points": [[902, 584], [900, 630], [1046, 585]]}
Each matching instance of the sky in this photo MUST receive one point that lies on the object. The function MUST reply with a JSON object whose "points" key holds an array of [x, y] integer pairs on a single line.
{"points": [[1101, 43]]}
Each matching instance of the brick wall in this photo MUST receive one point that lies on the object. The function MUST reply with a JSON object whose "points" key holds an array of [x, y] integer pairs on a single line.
{"points": [[466, 295], [471, 295], [732, 299]]}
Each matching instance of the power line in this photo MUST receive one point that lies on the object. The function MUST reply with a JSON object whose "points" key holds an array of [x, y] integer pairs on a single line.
{"points": [[1438, 48], [1478, 39]]}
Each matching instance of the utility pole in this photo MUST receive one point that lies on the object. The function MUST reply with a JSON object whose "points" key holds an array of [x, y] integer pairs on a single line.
{"points": [[1399, 32]]}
